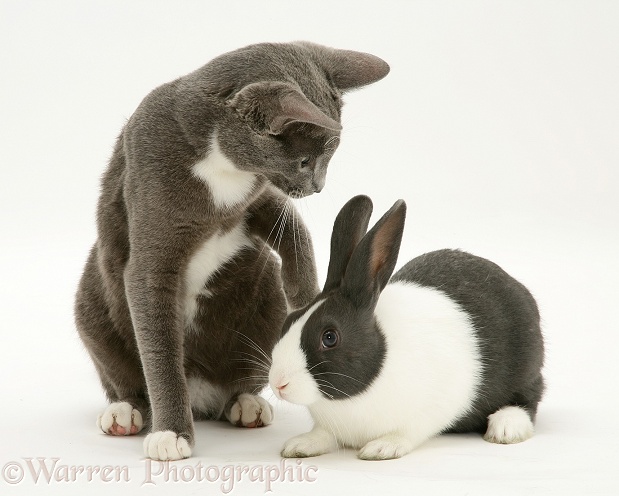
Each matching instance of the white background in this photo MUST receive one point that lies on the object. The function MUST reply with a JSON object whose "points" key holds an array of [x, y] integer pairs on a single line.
{"points": [[499, 126]]}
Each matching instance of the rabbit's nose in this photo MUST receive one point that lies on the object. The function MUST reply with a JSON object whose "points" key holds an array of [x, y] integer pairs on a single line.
{"points": [[279, 389]]}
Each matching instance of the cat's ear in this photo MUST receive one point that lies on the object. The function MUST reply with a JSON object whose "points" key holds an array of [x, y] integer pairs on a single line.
{"points": [[350, 69], [270, 106]]}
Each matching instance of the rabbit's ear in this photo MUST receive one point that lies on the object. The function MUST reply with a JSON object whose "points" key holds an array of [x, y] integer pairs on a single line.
{"points": [[349, 227], [374, 258]]}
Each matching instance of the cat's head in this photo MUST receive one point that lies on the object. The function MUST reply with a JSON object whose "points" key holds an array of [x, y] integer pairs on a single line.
{"points": [[284, 112]]}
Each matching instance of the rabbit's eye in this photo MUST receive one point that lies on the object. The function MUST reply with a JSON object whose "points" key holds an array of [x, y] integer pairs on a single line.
{"points": [[330, 339], [305, 162]]}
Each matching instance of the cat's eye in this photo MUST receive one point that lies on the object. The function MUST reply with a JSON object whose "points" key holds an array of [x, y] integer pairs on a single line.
{"points": [[305, 161], [330, 339]]}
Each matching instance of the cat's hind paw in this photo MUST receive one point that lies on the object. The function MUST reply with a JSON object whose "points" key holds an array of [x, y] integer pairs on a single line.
{"points": [[120, 419], [166, 445], [250, 411]]}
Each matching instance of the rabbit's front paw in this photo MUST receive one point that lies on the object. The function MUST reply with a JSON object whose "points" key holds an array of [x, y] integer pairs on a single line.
{"points": [[314, 443], [120, 419], [386, 448], [250, 411], [166, 445]]}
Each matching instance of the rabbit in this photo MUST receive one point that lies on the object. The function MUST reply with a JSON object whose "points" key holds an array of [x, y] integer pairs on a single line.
{"points": [[451, 343]]}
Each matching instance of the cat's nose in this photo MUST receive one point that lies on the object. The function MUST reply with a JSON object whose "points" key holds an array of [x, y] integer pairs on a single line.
{"points": [[318, 185]]}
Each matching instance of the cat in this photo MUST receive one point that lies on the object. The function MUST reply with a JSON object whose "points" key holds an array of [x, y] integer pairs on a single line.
{"points": [[199, 254]]}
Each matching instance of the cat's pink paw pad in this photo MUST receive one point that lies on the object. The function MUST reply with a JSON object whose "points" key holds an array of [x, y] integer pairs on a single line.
{"points": [[120, 419]]}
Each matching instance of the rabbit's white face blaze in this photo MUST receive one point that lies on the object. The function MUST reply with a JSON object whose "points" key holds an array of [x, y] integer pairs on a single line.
{"points": [[289, 377]]}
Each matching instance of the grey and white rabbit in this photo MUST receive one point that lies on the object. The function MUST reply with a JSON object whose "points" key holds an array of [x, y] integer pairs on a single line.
{"points": [[451, 343]]}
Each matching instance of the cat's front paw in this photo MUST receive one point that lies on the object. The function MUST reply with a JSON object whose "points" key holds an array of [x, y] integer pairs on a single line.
{"points": [[297, 298], [166, 445], [250, 411], [313, 443], [120, 419]]}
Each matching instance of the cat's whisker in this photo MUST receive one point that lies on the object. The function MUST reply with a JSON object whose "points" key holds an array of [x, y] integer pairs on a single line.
{"points": [[257, 390], [281, 230], [294, 236], [262, 356], [253, 360], [266, 244], [270, 244], [283, 225], [254, 370], [256, 365], [304, 244], [281, 204], [248, 378], [308, 242], [304, 240], [255, 346]]}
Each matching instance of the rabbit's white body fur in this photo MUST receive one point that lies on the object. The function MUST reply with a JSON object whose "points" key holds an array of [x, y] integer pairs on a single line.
{"points": [[429, 378]]}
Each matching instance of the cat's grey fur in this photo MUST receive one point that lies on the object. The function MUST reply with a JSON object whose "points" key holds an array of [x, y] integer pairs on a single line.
{"points": [[273, 110]]}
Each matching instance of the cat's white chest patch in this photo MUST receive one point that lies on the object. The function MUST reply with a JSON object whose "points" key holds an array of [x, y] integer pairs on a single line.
{"points": [[228, 184], [208, 258]]}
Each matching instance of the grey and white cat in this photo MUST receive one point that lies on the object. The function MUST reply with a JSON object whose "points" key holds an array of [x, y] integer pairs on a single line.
{"points": [[182, 298]]}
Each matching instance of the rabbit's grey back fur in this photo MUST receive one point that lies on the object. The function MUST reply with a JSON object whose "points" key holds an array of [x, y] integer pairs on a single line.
{"points": [[505, 318]]}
